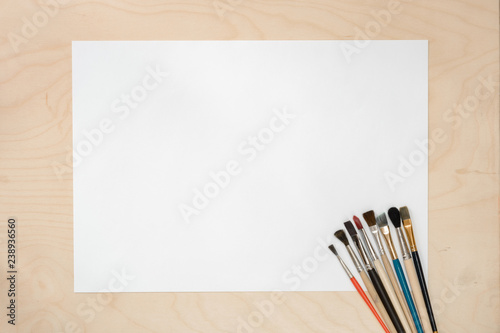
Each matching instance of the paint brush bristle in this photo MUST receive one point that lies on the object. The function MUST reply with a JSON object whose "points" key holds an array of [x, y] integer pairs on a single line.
{"points": [[382, 220], [395, 217], [340, 234], [357, 222], [369, 217], [350, 229], [405, 214], [332, 248]]}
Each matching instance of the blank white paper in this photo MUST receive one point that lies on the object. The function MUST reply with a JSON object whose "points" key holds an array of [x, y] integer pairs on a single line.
{"points": [[227, 165]]}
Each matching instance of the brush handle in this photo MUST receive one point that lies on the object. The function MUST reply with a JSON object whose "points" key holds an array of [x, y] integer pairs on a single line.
{"points": [[382, 293], [367, 301], [423, 286], [392, 294], [399, 294], [406, 291], [417, 295], [376, 301]]}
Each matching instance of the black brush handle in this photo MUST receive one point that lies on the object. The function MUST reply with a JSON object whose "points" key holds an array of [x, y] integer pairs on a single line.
{"points": [[423, 286], [386, 301]]}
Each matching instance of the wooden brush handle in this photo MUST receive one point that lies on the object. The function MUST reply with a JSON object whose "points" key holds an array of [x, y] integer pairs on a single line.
{"points": [[367, 301], [417, 296], [376, 301], [423, 286], [384, 298], [399, 294], [392, 294]]}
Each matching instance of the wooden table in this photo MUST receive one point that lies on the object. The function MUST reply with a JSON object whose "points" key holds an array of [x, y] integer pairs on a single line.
{"points": [[36, 131]]}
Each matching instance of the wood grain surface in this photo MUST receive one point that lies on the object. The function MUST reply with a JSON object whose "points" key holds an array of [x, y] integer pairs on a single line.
{"points": [[36, 182]]}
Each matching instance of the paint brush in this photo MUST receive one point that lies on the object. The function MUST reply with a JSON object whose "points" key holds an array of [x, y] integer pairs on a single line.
{"points": [[386, 231], [388, 327], [374, 276], [407, 224], [358, 287], [383, 276], [372, 224], [395, 218]]}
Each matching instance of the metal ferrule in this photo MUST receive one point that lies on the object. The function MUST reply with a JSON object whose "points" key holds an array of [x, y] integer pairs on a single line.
{"points": [[369, 245], [378, 240], [410, 235], [388, 239], [354, 258], [403, 244], [344, 266], [362, 252]]}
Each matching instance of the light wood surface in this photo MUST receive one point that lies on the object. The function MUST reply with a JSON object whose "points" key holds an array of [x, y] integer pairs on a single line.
{"points": [[35, 136]]}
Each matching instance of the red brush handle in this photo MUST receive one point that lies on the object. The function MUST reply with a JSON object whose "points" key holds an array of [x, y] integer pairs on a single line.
{"points": [[367, 301]]}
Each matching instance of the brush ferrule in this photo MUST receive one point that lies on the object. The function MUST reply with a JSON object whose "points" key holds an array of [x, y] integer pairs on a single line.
{"points": [[354, 258], [378, 240], [344, 266], [409, 233], [362, 252], [388, 240], [371, 251], [403, 244]]}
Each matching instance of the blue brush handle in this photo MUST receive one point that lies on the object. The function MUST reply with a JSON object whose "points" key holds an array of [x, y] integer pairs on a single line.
{"points": [[406, 292]]}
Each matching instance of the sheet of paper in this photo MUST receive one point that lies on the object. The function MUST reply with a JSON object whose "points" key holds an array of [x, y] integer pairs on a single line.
{"points": [[227, 165]]}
